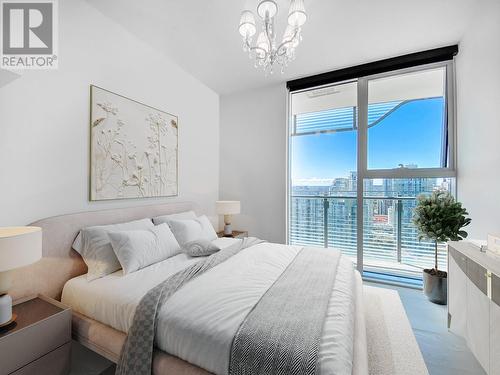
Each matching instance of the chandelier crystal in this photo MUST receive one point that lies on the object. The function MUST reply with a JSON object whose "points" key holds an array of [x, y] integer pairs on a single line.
{"points": [[268, 51]]}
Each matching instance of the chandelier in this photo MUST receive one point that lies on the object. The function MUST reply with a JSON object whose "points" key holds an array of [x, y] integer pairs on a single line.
{"points": [[268, 51]]}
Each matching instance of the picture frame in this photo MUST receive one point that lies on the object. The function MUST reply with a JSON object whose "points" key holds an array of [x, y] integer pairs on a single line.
{"points": [[133, 149]]}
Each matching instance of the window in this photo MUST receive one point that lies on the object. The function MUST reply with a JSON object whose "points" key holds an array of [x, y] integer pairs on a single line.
{"points": [[360, 152]]}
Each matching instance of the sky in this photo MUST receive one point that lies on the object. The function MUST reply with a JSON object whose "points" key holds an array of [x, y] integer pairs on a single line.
{"points": [[412, 134]]}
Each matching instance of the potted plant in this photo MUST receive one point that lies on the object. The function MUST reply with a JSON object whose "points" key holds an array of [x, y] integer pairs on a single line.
{"points": [[440, 218]]}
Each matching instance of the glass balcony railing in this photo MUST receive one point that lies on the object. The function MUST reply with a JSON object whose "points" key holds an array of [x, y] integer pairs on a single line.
{"points": [[390, 240]]}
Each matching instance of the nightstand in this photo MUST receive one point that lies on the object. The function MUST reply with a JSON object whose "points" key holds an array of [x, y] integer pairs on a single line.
{"points": [[236, 234], [39, 342]]}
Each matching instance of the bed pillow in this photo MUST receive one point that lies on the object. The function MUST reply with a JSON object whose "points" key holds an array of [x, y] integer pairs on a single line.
{"points": [[190, 230], [199, 248], [187, 215], [94, 246], [136, 249]]}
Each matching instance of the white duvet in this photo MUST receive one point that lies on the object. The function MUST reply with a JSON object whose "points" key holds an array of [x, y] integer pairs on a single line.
{"points": [[198, 323]]}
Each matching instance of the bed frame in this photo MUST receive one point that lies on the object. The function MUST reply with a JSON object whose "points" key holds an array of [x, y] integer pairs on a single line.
{"points": [[61, 263]]}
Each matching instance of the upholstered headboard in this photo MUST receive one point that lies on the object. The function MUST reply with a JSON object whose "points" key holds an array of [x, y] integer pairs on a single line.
{"points": [[60, 262]]}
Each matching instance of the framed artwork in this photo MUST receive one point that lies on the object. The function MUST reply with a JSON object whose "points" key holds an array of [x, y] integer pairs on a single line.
{"points": [[133, 148]]}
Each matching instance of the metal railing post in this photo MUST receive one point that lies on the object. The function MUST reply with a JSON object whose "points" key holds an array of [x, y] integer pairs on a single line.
{"points": [[399, 214], [326, 205]]}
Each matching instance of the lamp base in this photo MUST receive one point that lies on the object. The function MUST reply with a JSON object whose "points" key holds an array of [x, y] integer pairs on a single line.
{"points": [[5, 309], [228, 230]]}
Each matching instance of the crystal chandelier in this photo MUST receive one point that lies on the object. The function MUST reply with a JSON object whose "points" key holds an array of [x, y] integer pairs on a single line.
{"points": [[268, 50]]}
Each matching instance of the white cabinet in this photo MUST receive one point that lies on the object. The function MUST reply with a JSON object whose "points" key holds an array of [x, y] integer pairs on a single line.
{"points": [[494, 338], [474, 302]]}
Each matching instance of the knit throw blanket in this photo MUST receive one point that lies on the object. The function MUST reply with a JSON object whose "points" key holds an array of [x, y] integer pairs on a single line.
{"points": [[282, 334]]}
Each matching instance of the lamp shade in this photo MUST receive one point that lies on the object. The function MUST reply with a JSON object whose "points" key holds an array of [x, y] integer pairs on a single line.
{"points": [[297, 14], [19, 246], [228, 207], [247, 27], [267, 7]]}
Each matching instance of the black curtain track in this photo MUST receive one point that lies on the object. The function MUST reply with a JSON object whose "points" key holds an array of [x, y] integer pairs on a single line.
{"points": [[376, 67]]}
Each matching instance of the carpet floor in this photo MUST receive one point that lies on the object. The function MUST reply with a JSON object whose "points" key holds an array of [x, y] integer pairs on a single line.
{"points": [[392, 347]]}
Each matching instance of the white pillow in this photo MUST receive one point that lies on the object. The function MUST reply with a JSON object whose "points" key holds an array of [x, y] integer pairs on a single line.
{"points": [[208, 231], [94, 246], [191, 230], [186, 215], [136, 249]]}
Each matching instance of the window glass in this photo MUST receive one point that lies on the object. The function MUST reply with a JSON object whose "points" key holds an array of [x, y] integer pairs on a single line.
{"points": [[407, 121], [389, 234], [323, 141]]}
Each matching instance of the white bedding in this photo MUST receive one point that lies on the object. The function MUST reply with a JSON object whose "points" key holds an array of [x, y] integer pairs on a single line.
{"points": [[198, 323]]}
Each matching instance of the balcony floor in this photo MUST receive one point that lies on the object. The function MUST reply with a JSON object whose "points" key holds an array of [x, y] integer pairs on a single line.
{"points": [[392, 272]]}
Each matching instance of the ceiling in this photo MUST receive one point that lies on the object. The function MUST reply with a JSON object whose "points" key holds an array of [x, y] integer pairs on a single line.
{"points": [[202, 37]]}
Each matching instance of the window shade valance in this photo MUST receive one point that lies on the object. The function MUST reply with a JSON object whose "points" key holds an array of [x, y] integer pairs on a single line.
{"points": [[376, 67]]}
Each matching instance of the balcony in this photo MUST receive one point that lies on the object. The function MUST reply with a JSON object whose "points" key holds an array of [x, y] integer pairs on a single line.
{"points": [[391, 248]]}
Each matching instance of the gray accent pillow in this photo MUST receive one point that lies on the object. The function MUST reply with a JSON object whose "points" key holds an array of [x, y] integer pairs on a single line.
{"points": [[94, 245], [136, 249], [186, 215], [199, 248]]}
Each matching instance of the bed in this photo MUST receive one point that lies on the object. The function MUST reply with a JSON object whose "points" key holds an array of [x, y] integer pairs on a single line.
{"points": [[200, 318]]}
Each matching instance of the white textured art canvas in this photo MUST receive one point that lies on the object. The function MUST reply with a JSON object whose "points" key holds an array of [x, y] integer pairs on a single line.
{"points": [[133, 152]]}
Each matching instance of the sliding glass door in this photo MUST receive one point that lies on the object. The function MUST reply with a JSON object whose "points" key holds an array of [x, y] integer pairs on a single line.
{"points": [[360, 153]]}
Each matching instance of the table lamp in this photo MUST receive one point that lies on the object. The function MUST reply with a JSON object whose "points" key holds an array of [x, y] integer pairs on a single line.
{"points": [[19, 247], [228, 208]]}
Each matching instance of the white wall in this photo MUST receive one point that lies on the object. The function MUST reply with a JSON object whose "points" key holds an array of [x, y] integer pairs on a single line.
{"points": [[253, 159], [478, 107], [253, 142], [44, 117]]}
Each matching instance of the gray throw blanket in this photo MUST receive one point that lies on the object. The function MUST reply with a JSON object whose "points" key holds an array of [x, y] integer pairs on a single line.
{"points": [[282, 334], [137, 353]]}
